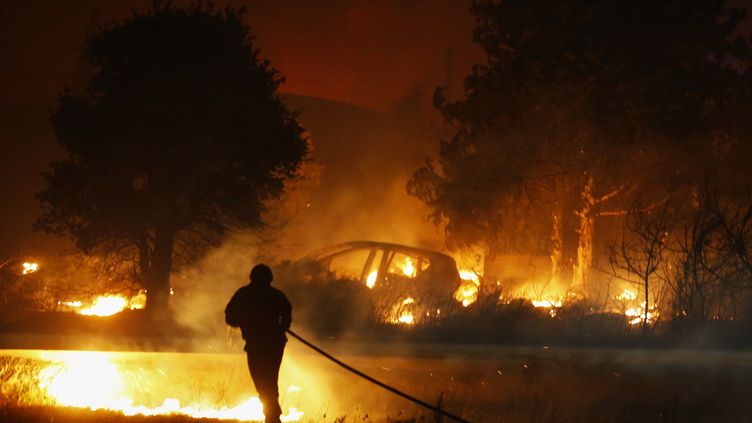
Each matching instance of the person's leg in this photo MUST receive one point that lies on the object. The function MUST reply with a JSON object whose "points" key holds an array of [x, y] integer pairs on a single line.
{"points": [[264, 364], [272, 410]]}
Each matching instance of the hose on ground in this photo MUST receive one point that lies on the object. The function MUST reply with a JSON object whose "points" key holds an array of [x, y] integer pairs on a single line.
{"points": [[377, 382]]}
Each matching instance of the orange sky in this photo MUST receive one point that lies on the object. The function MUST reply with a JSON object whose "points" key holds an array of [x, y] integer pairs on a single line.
{"points": [[367, 52]]}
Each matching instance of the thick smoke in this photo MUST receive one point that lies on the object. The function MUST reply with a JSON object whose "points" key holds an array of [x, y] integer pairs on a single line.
{"points": [[202, 292], [353, 188]]}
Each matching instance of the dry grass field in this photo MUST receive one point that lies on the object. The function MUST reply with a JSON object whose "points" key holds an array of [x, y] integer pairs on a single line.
{"points": [[482, 384]]}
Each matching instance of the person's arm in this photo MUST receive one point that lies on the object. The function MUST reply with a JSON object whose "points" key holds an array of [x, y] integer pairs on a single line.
{"points": [[286, 315], [233, 311]]}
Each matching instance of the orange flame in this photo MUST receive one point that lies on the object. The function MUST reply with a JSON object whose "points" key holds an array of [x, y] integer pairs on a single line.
{"points": [[30, 267], [88, 379]]}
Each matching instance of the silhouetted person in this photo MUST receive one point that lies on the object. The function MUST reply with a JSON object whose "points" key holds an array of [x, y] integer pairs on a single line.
{"points": [[263, 315]]}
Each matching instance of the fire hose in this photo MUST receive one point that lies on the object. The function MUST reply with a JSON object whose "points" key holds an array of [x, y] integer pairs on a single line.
{"points": [[375, 381]]}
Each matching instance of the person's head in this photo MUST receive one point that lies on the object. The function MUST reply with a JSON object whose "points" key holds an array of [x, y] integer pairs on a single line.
{"points": [[261, 274]]}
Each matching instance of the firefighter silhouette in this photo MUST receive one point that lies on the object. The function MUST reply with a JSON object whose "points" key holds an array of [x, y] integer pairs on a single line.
{"points": [[263, 315]]}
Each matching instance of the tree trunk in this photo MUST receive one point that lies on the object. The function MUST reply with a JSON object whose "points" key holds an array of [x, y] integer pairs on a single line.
{"points": [[585, 232], [556, 245], [647, 304], [157, 279]]}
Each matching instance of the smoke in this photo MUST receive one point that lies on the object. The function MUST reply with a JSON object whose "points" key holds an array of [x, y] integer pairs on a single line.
{"points": [[201, 292], [353, 188], [366, 159]]}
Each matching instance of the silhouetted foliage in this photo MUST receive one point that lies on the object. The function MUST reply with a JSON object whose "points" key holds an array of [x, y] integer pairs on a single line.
{"points": [[626, 92], [641, 251], [712, 279], [179, 136]]}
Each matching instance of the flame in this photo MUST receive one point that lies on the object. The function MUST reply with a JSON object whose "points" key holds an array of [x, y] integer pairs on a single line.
{"points": [[88, 379], [401, 312], [409, 268], [636, 315], [467, 293], [406, 318], [107, 305], [30, 267], [627, 295], [371, 279], [469, 275], [549, 303]]}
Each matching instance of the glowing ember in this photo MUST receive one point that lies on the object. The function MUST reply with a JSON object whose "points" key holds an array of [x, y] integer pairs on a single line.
{"points": [[30, 268], [90, 380], [371, 279]]}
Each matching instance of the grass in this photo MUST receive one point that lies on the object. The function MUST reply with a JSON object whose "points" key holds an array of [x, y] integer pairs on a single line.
{"points": [[75, 415], [509, 384]]}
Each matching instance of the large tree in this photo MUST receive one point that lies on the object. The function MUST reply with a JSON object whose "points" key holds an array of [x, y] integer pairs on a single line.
{"points": [[579, 103], [179, 136]]}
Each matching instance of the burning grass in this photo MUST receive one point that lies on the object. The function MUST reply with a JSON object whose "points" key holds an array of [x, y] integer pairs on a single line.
{"points": [[480, 383], [77, 415], [131, 384]]}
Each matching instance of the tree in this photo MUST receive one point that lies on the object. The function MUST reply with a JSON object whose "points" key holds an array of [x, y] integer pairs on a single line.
{"points": [[578, 104], [641, 251], [179, 137]]}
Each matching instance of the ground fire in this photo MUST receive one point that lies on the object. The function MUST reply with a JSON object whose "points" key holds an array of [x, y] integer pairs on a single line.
{"points": [[106, 305], [406, 310], [117, 381]]}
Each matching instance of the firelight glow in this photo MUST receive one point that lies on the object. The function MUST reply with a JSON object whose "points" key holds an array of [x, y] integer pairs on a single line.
{"points": [[89, 379]]}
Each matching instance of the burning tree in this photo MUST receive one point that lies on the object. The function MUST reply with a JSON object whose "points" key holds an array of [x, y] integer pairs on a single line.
{"points": [[179, 136], [579, 106]]}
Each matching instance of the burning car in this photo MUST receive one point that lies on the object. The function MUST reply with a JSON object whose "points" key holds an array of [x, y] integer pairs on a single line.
{"points": [[365, 281]]}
